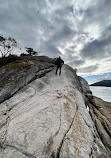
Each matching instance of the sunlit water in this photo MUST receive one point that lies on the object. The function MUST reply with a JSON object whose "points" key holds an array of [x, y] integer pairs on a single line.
{"points": [[102, 92]]}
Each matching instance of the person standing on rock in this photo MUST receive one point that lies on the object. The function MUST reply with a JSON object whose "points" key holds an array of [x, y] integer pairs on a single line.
{"points": [[59, 62]]}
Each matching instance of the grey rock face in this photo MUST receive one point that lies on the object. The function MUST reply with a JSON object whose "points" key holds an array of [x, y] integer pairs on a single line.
{"points": [[100, 112], [12, 80], [48, 118]]}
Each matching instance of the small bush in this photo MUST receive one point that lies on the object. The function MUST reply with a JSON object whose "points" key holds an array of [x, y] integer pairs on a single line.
{"points": [[23, 54]]}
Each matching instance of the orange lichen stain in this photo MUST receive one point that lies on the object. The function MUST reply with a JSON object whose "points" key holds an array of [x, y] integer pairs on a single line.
{"points": [[67, 110], [17, 115], [77, 130], [70, 96], [66, 97], [76, 150]]}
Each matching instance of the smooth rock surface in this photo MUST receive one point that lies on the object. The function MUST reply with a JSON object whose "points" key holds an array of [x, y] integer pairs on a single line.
{"points": [[48, 118]]}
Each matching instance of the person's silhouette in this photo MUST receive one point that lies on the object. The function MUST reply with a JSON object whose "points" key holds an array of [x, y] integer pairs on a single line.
{"points": [[59, 62]]}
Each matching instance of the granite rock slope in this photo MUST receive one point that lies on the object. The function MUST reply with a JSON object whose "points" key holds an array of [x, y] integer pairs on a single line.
{"points": [[15, 76], [50, 118]]}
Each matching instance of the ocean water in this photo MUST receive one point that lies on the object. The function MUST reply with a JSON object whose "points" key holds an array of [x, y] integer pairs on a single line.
{"points": [[101, 92]]}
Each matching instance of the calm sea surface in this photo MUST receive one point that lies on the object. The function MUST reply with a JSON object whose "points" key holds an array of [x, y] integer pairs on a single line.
{"points": [[102, 92]]}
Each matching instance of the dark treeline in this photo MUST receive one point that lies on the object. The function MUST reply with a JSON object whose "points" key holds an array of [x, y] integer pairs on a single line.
{"points": [[7, 50]]}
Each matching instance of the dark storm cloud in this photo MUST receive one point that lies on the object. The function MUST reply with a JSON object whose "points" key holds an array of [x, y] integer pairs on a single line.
{"points": [[73, 60], [34, 23], [97, 12], [100, 16], [76, 63], [50, 49], [79, 31], [62, 35], [18, 20], [90, 69], [96, 49]]}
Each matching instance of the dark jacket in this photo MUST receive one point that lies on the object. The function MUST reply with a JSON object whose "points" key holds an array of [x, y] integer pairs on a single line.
{"points": [[59, 62]]}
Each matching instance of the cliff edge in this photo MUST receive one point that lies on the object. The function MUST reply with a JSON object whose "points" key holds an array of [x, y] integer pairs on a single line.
{"points": [[52, 116]]}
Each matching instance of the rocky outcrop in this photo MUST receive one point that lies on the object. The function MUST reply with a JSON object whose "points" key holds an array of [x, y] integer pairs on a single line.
{"points": [[100, 112], [52, 116], [15, 76]]}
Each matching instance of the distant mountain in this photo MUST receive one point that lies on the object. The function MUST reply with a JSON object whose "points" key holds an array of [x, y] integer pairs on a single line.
{"points": [[106, 83]]}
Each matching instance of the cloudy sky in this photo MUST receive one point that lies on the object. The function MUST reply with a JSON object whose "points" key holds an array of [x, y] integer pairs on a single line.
{"points": [[77, 30]]}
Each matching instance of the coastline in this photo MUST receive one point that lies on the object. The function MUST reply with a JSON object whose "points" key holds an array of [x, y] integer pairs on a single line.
{"points": [[101, 92]]}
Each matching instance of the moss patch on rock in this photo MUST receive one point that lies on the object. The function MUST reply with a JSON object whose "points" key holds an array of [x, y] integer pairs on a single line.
{"points": [[19, 64]]}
